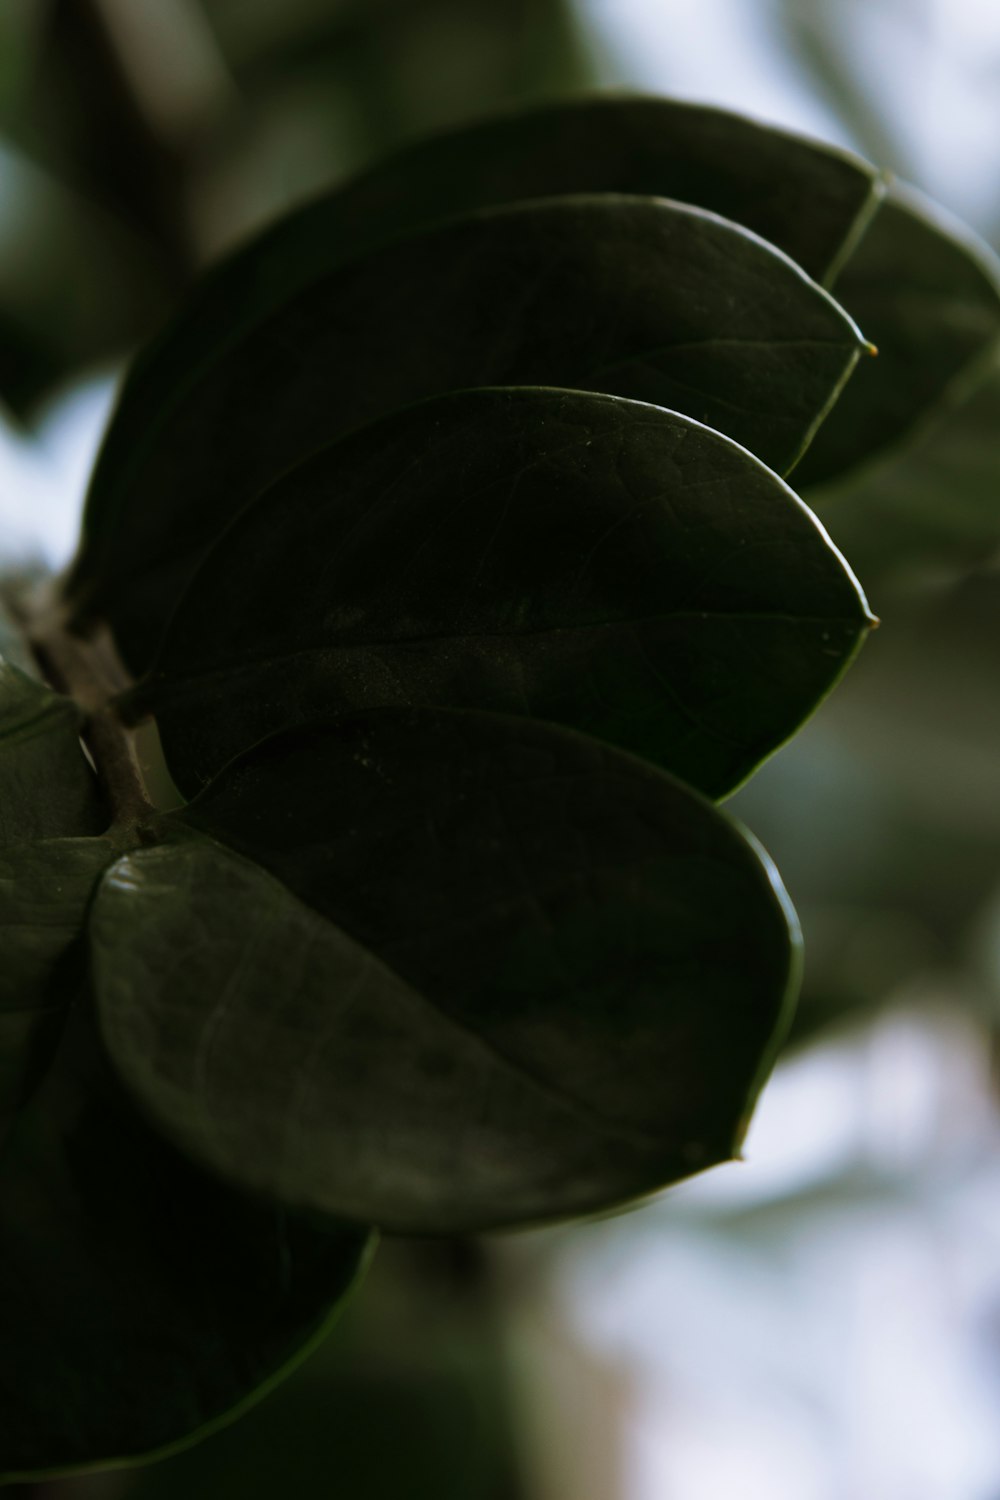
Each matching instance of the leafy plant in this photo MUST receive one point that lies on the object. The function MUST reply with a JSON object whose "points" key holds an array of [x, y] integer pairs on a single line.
{"points": [[442, 541]]}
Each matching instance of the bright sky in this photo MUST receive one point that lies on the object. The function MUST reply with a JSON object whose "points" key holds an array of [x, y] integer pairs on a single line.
{"points": [[929, 70]]}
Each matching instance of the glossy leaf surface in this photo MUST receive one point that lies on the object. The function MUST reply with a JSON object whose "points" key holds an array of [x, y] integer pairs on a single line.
{"points": [[140, 1300], [596, 562], [632, 296], [745, 171], [45, 888], [928, 295], [550, 978], [47, 787]]}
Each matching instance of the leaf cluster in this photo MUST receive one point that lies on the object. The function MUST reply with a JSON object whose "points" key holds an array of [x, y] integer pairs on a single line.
{"points": [[444, 540]]}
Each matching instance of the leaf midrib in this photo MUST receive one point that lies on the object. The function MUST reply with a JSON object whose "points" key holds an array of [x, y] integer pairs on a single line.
{"points": [[29, 727], [594, 1118], [166, 678]]}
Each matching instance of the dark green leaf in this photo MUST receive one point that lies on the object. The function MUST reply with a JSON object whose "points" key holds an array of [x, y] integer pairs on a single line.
{"points": [[47, 787], [551, 977], [931, 508], [633, 296], [928, 295], [140, 1300], [577, 558], [76, 285], [14, 648], [45, 888], [805, 198], [424, 1354]]}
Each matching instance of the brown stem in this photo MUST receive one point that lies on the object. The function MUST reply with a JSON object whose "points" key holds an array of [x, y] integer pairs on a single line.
{"points": [[89, 670]]}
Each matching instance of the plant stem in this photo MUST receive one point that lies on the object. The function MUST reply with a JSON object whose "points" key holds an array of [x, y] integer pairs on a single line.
{"points": [[89, 670]]}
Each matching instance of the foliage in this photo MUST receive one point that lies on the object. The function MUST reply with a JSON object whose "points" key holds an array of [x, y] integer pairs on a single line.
{"points": [[444, 540]]}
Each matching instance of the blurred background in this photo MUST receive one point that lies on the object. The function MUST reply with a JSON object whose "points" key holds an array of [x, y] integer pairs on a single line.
{"points": [[822, 1321]]}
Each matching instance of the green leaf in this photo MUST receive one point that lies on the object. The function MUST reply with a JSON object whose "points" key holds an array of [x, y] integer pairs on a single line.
{"points": [[45, 888], [807, 199], [47, 787], [550, 978], [14, 648], [929, 509], [927, 293], [578, 558], [141, 1302], [633, 296]]}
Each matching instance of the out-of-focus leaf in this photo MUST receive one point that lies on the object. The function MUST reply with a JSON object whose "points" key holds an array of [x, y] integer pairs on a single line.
{"points": [[45, 887], [591, 561], [888, 897], [20, 38], [14, 648], [805, 198], [931, 507], [47, 787], [423, 1353], [141, 1301], [75, 287], [550, 979], [633, 296], [928, 295]]}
